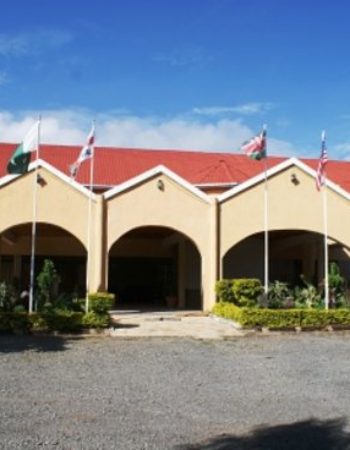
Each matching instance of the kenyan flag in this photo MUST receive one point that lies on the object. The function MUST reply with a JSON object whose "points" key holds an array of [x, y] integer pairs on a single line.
{"points": [[255, 148]]}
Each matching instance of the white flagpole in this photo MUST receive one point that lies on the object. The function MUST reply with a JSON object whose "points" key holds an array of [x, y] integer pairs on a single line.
{"points": [[325, 227], [89, 222], [266, 236], [325, 223], [266, 233], [32, 256]]}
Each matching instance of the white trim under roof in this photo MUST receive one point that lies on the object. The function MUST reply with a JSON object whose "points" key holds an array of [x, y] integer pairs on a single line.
{"points": [[276, 169], [152, 173], [45, 165]]}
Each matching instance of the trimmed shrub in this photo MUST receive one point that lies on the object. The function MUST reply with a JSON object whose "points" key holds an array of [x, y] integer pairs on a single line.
{"points": [[223, 289], [246, 291], [66, 321], [255, 317], [270, 318], [101, 302], [282, 318], [55, 320], [93, 320], [14, 322], [228, 311], [240, 291]]}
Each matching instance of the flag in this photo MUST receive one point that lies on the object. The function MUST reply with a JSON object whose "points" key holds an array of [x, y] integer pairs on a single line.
{"points": [[86, 153], [20, 159], [321, 168], [255, 148]]}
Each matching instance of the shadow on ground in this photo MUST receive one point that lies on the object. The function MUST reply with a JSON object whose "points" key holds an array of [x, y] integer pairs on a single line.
{"points": [[14, 344], [307, 435]]}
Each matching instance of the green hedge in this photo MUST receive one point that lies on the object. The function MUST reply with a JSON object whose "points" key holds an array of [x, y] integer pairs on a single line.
{"points": [[101, 302], [93, 320], [63, 321], [14, 322], [240, 291], [282, 318]]}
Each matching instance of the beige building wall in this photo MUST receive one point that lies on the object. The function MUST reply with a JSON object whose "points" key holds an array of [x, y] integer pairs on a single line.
{"points": [[161, 200], [58, 204], [290, 207], [174, 207]]}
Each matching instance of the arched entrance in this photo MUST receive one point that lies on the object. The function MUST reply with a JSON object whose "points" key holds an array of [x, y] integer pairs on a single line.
{"points": [[291, 253], [155, 267], [53, 242]]}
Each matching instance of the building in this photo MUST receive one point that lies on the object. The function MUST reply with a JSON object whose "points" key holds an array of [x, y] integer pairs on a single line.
{"points": [[168, 224]]}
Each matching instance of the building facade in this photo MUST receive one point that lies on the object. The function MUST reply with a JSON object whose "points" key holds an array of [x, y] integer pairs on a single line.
{"points": [[167, 232]]}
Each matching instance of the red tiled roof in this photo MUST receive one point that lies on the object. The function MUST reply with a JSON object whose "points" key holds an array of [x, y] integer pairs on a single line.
{"points": [[116, 165]]}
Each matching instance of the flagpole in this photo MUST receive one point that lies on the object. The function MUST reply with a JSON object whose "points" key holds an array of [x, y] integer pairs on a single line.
{"points": [[266, 223], [89, 223], [325, 227], [34, 221], [266, 233]]}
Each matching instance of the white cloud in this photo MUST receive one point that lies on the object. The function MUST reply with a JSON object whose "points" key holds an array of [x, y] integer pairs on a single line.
{"points": [[31, 43], [245, 109], [72, 127]]}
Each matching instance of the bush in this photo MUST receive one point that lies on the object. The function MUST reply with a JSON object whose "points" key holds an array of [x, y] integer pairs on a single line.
{"points": [[48, 281], [285, 318], [55, 320], [14, 322], [246, 291], [8, 297], [101, 302], [255, 317], [62, 320], [93, 320], [279, 295], [223, 289], [38, 322], [228, 311], [307, 296], [240, 291]]}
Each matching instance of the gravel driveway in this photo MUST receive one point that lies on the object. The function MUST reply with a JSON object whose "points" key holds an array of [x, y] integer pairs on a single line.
{"points": [[258, 392]]}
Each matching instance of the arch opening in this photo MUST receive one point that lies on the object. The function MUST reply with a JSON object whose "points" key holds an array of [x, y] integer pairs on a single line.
{"points": [[52, 242], [155, 267], [291, 253]]}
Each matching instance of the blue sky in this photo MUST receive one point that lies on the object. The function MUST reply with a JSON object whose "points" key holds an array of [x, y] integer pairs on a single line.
{"points": [[194, 74]]}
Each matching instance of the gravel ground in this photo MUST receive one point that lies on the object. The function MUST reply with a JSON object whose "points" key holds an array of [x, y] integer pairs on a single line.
{"points": [[258, 392]]}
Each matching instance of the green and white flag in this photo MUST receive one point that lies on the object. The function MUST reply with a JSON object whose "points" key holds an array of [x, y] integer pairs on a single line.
{"points": [[21, 157]]}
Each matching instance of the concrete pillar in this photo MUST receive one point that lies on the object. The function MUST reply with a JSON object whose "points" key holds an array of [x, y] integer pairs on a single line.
{"points": [[210, 260], [96, 262], [181, 270]]}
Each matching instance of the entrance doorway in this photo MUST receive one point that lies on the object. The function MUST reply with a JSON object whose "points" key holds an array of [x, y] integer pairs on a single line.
{"points": [[155, 267]]}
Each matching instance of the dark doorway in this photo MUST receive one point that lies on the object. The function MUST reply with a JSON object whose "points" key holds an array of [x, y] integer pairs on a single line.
{"points": [[155, 267], [145, 281]]}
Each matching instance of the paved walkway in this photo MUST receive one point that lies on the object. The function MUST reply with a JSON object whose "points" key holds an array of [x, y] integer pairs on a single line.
{"points": [[194, 324]]}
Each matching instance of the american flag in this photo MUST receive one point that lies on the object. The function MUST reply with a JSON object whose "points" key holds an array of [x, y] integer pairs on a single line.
{"points": [[86, 153], [255, 148], [321, 168]]}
